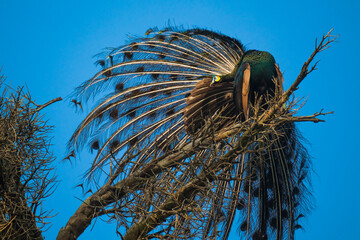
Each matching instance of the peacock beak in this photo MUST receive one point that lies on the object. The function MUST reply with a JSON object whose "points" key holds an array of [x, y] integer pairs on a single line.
{"points": [[242, 88], [245, 90]]}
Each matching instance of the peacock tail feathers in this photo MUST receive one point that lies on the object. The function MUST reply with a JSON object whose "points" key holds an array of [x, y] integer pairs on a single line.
{"points": [[162, 96], [151, 78]]}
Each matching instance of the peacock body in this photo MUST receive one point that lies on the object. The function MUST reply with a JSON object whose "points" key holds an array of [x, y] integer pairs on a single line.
{"points": [[166, 87]]}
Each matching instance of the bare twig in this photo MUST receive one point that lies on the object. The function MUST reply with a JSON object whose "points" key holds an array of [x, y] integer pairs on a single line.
{"points": [[40, 107], [324, 44]]}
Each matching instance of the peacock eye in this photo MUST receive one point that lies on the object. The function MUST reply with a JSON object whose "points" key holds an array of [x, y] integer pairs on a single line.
{"points": [[216, 79]]}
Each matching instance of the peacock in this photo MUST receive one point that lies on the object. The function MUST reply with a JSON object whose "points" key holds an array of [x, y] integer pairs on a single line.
{"points": [[158, 92]]}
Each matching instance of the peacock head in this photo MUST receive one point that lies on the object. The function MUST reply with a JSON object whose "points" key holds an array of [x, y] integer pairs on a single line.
{"points": [[255, 75]]}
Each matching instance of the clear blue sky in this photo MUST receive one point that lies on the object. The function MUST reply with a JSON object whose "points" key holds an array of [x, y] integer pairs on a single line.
{"points": [[49, 45]]}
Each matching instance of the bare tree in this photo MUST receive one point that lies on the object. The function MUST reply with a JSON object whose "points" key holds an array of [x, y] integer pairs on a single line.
{"points": [[26, 173], [173, 186]]}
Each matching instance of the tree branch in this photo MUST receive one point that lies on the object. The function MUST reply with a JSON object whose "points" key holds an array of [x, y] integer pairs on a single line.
{"points": [[109, 194], [40, 107]]}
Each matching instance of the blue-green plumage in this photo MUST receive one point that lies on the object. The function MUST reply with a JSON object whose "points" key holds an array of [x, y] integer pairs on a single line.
{"points": [[262, 73]]}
